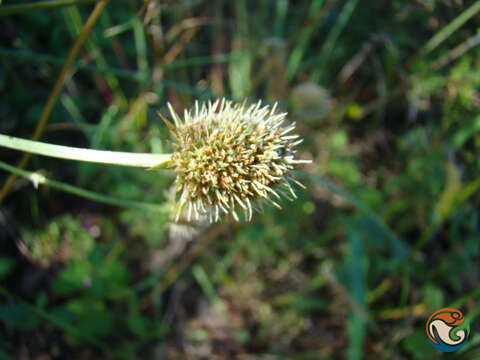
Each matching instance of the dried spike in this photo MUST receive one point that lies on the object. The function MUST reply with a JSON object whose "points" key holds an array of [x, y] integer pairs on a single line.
{"points": [[271, 191], [179, 210], [274, 108], [221, 198], [196, 109], [297, 182], [276, 205], [258, 191], [170, 126], [189, 211], [289, 137], [289, 187], [296, 143], [175, 117], [240, 202], [249, 210], [235, 216]]}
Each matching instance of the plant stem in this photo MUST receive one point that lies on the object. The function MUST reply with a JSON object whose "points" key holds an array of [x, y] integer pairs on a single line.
{"points": [[448, 30], [92, 19], [80, 154], [39, 179], [14, 9]]}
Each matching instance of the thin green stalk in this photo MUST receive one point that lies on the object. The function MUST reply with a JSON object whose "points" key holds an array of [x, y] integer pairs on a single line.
{"points": [[281, 11], [52, 98], [448, 30], [303, 41], [460, 197], [80, 154], [41, 5], [39, 179], [431, 45], [332, 37], [73, 21], [389, 233], [130, 74], [141, 48]]}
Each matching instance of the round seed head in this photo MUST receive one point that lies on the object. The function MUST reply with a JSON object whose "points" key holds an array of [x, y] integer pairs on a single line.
{"points": [[227, 156], [310, 102]]}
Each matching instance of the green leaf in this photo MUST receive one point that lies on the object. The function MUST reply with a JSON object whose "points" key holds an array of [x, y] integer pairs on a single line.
{"points": [[356, 265], [433, 296], [418, 346], [112, 278], [18, 316], [469, 128], [448, 198], [6, 265], [3, 355], [140, 325], [73, 279], [92, 318]]}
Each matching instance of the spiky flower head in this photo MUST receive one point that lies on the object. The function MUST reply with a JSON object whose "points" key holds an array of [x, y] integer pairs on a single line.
{"points": [[228, 156]]}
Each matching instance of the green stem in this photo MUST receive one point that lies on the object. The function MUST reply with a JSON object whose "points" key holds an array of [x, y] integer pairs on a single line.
{"points": [[96, 156], [39, 179], [448, 30], [14, 9], [52, 98]]}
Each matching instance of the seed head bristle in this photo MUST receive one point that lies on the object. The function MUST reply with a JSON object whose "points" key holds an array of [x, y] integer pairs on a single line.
{"points": [[227, 155]]}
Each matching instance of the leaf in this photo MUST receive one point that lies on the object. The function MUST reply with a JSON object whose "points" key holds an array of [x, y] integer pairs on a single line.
{"points": [[356, 264], [140, 325], [205, 282], [6, 265], [112, 277], [465, 132], [449, 195], [418, 345], [397, 243], [92, 318], [73, 279], [433, 296], [18, 316]]}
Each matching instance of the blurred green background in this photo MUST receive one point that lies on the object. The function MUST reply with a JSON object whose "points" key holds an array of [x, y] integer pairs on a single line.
{"points": [[386, 95]]}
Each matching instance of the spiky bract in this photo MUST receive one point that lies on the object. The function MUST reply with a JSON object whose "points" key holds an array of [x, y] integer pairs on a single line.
{"points": [[228, 155]]}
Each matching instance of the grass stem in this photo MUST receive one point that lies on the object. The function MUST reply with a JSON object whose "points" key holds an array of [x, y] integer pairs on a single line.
{"points": [[52, 99], [39, 179]]}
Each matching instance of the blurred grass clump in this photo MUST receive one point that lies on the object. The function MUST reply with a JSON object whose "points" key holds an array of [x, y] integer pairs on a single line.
{"points": [[386, 96]]}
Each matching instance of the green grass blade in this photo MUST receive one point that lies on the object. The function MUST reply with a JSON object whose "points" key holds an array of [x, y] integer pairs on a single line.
{"points": [[281, 10], [240, 65], [132, 74], [362, 207], [303, 41], [448, 30], [329, 45], [141, 47], [356, 274]]}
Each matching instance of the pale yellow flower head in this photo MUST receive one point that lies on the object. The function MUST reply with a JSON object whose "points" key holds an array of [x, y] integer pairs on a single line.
{"points": [[228, 156]]}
